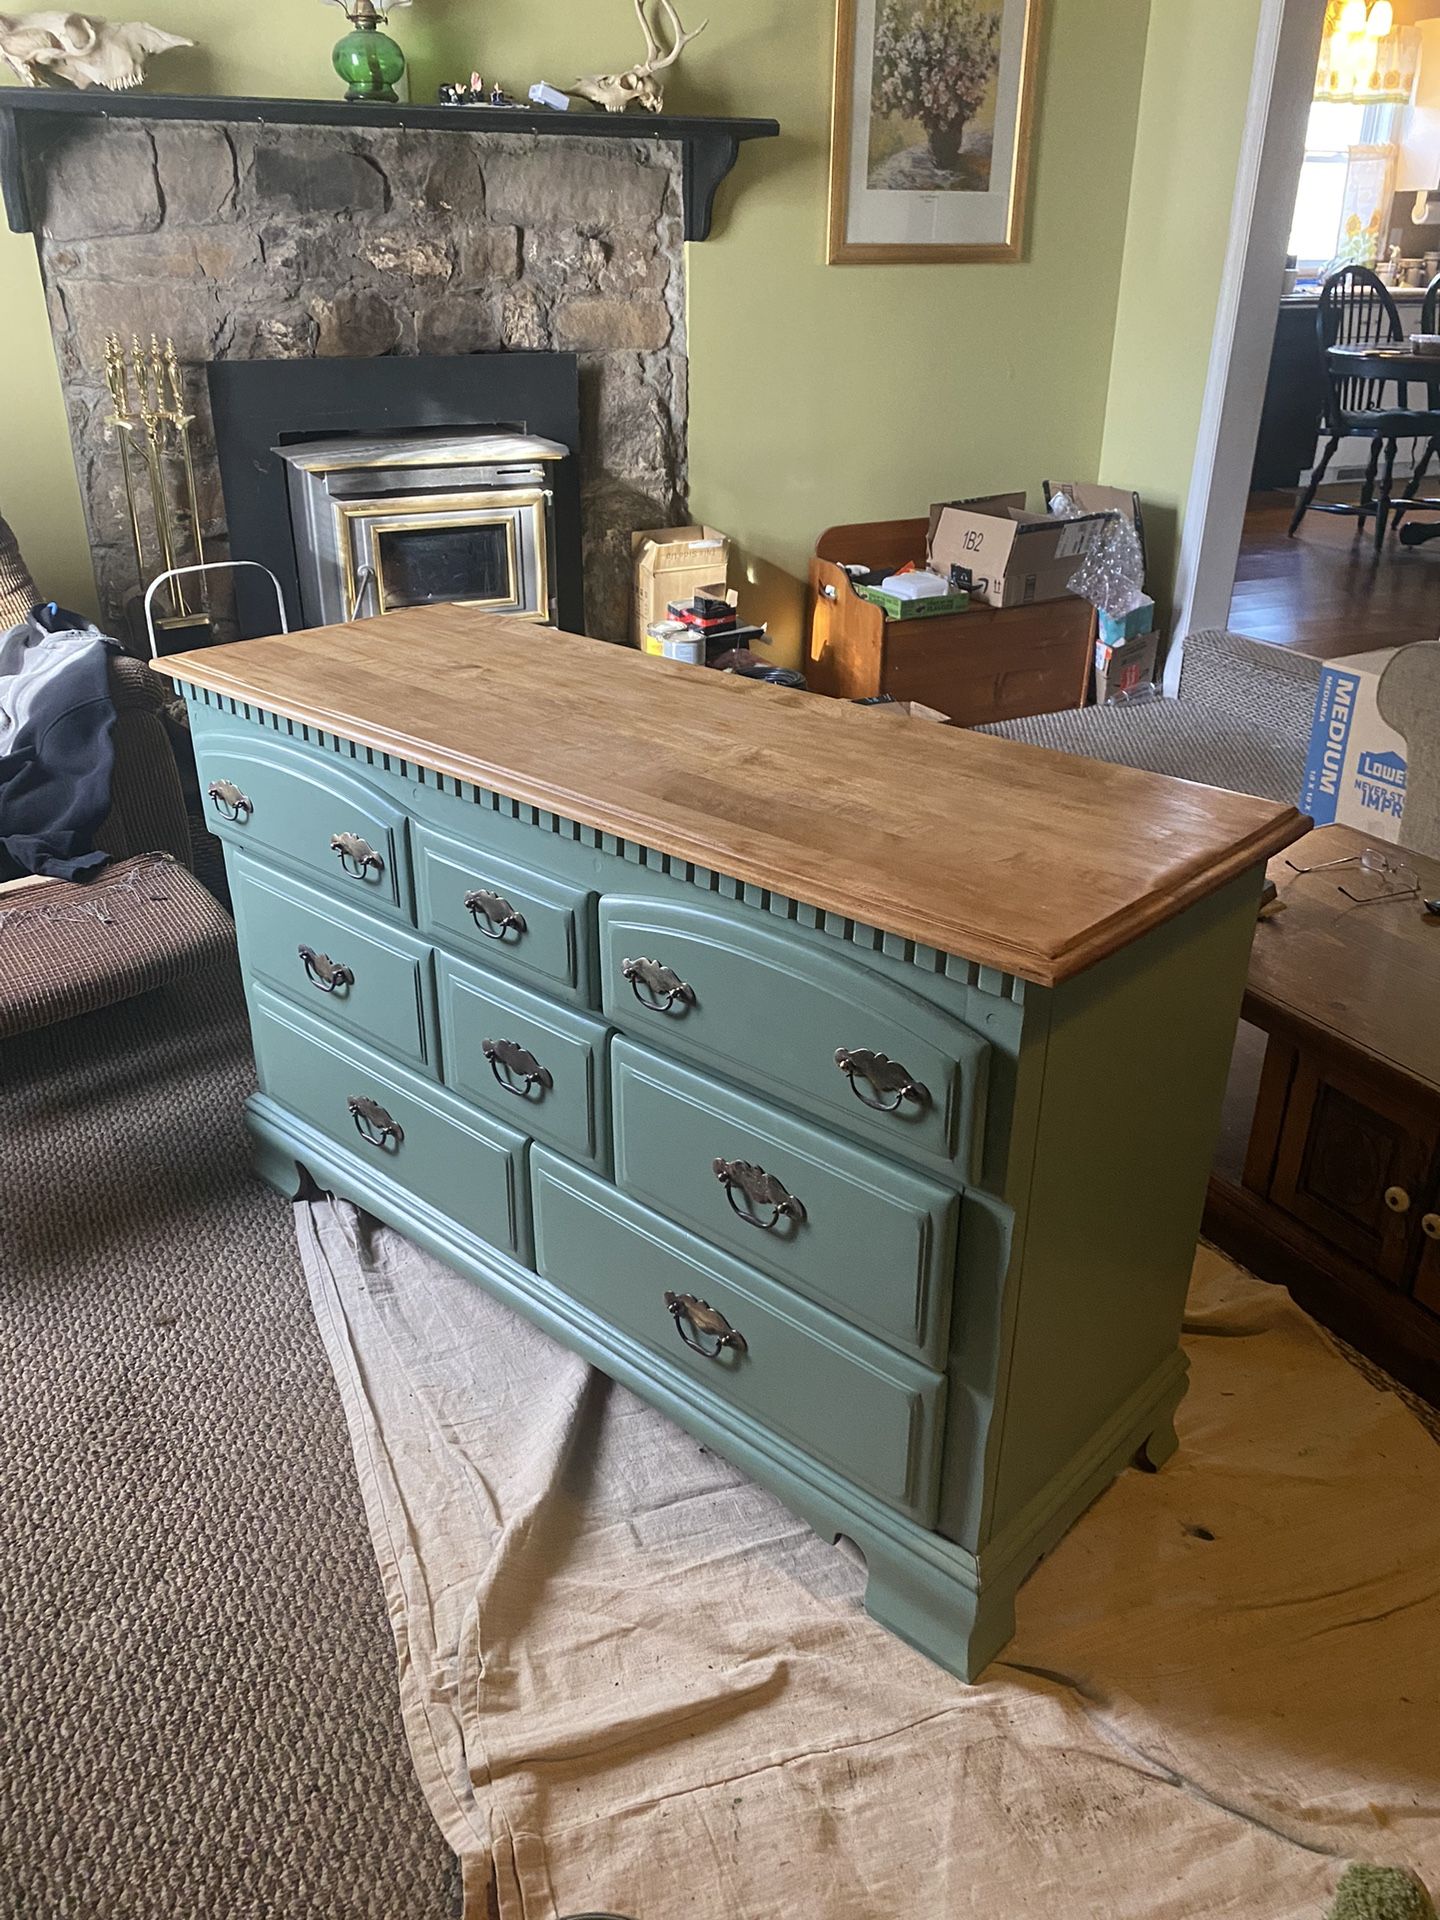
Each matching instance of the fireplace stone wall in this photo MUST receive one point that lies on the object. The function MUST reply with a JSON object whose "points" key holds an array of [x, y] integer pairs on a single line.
{"points": [[245, 242]]}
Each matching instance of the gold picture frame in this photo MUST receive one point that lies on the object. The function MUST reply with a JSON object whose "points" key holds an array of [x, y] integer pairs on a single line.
{"points": [[949, 195]]}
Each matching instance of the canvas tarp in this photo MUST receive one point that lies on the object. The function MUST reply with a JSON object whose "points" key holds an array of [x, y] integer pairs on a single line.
{"points": [[632, 1682]]}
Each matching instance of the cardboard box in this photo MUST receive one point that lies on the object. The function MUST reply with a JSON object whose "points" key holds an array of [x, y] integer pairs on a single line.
{"points": [[1124, 668], [1089, 497], [1355, 770], [1005, 556], [675, 563]]}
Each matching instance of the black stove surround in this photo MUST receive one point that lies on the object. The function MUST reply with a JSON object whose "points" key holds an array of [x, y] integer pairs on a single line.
{"points": [[259, 405]]}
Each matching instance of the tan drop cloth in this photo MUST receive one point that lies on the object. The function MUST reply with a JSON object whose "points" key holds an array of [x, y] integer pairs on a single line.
{"points": [[632, 1682]]}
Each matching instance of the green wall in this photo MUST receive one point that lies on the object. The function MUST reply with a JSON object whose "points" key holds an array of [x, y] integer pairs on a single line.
{"points": [[818, 394], [1192, 115]]}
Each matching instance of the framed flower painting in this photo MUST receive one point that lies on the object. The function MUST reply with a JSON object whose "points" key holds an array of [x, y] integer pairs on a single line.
{"points": [[930, 146]]}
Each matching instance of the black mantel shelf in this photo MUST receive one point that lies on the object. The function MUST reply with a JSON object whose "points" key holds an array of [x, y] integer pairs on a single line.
{"points": [[708, 146]]}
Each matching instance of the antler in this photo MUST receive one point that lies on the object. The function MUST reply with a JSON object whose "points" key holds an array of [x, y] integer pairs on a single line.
{"points": [[652, 45], [658, 62]]}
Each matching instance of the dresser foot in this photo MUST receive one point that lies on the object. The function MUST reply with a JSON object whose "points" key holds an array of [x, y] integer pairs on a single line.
{"points": [[1158, 1446], [952, 1625], [278, 1167]]}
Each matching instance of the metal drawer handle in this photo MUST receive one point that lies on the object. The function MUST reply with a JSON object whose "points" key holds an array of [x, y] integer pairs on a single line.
{"points": [[357, 856], [761, 1189], [373, 1123], [510, 1061], [664, 987], [694, 1316], [885, 1077], [493, 913], [228, 801], [323, 972], [1431, 1226], [1397, 1200]]}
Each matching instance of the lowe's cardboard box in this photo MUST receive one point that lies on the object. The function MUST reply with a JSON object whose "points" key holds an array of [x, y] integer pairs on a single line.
{"points": [[1005, 556], [1355, 769]]}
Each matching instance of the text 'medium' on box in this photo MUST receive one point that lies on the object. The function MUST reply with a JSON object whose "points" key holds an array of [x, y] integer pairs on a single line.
{"points": [[1355, 769]]}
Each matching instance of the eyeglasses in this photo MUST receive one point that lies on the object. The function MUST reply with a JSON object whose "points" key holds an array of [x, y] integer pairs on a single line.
{"points": [[1395, 880]]}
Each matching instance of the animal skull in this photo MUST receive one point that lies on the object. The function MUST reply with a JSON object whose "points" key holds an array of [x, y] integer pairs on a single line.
{"points": [[85, 51], [637, 86]]}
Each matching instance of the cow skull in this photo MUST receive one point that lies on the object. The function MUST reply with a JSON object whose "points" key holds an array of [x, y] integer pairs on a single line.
{"points": [[82, 50], [638, 86]]}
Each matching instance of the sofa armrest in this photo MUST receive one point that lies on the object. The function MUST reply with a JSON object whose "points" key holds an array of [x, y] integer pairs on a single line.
{"points": [[147, 804]]}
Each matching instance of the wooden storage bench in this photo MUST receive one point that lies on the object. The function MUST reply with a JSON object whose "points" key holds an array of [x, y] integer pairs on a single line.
{"points": [[977, 667]]}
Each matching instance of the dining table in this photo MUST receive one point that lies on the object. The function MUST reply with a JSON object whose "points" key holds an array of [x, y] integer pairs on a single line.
{"points": [[1403, 364]]}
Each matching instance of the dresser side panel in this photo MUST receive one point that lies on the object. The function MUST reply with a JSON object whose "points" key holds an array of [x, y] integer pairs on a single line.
{"points": [[1136, 1061]]}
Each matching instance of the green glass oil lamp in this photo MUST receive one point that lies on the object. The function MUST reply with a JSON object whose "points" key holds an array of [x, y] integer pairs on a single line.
{"points": [[368, 60]]}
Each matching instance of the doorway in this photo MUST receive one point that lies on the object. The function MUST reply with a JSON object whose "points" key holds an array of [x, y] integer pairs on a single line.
{"points": [[1322, 180]]}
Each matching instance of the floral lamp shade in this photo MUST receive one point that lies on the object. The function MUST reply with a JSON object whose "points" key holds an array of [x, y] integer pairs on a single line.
{"points": [[1365, 59]]}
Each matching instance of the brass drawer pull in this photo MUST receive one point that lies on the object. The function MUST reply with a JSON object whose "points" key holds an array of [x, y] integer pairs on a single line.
{"points": [[323, 972], [493, 913], [1430, 1226], [885, 1077], [357, 856], [761, 1189], [373, 1123], [509, 1062], [228, 801], [1397, 1200], [664, 987], [694, 1316]]}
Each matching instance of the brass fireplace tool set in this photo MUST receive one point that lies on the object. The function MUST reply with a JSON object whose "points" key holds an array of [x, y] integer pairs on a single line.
{"points": [[152, 428]]}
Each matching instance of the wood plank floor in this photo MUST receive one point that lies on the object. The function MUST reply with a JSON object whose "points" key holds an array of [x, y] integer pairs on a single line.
{"points": [[1323, 593]]}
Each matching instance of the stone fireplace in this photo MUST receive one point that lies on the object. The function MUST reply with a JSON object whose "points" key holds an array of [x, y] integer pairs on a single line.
{"points": [[248, 242]]}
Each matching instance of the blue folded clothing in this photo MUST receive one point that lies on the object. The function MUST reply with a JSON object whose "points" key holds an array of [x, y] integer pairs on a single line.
{"points": [[56, 749]]}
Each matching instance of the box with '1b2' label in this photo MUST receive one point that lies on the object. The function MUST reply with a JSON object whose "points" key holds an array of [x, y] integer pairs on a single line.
{"points": [[1355, 769]]}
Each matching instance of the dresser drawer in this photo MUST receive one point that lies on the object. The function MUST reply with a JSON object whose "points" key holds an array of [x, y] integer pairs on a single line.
{"points": [[864, 1409], [857, 1233], [775, 1009], [262, 794], [528, 926], [349, 969], [428, 1143], [532, 1063]]}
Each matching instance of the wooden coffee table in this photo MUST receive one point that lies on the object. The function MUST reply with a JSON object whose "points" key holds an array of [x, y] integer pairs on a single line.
{"points": [[1340, 1196]]}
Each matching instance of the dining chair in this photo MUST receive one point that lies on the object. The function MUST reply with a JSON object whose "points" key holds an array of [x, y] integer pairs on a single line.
{"points": [[1356, 309], [1420, 536]]}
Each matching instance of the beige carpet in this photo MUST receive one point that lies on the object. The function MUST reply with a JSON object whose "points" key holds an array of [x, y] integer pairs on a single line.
{"points": [[197, 1692], [633, 1682]]}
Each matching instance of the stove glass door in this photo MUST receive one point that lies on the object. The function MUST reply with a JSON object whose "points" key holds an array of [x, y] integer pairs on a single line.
{"points": [[486, 551]]}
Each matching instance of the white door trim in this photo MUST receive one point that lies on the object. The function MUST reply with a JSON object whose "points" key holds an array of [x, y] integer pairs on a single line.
{"points": [[1287, 48]]}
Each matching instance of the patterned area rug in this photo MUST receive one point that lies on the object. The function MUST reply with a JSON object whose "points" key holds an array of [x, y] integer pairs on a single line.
{"points": [[1242, 721], [197, 1699]]}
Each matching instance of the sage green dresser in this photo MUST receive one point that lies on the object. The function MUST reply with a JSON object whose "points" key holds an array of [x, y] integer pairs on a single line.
{"points": [[845, 1086]]}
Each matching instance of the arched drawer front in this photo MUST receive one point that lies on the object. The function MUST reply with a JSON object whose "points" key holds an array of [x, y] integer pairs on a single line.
{"points": [[773, 1010], [291, 804]]}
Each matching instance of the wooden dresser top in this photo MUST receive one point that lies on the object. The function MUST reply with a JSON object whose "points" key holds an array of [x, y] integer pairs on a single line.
{"points": [[1033, 862]]}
